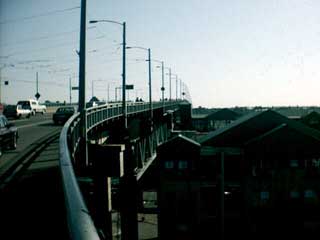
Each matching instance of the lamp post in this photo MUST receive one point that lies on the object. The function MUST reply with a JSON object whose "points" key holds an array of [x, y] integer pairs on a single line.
{"points": [[92, 90], [82, 86], [92, 86], [180, 88], [150, 82], [183, 91], [115, 93], [176, 75], [124, 107], [169, 81], [162, 79]]}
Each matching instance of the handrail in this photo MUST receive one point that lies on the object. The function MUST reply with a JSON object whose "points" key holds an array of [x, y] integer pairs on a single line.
{"points": [[80, 223]]}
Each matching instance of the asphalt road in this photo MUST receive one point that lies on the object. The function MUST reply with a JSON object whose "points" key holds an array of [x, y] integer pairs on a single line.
{"points": [[29, 130], [32, 207]]}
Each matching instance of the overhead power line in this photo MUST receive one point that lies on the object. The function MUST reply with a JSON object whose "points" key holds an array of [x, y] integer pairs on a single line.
{"points": [[50, 36], [33, 82], [39, 15]]}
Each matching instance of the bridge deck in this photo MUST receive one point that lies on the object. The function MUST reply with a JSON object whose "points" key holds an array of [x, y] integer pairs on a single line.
{"points": [[33, 207]]}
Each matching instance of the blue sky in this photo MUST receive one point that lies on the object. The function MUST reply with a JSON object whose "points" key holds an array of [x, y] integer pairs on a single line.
{"points": [[229, 53]]}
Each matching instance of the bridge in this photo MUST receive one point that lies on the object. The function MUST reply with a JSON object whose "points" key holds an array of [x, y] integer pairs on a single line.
{"points": [[87, 167], [127, 155]]}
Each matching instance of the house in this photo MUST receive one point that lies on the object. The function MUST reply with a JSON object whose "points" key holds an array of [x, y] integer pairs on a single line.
{"points": [[257, 177], [312, 120], [278, 174], [215, 120], [178, 159]]}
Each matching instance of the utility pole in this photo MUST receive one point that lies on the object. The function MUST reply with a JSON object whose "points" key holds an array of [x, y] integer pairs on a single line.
{"points": [[180, 88], [82, 82], [162, 81], [108, 96], [37, 84], [170, 84], [82, 55], [70, 89], [150, 85], [92, 88], [124, 107], [176, 87]]}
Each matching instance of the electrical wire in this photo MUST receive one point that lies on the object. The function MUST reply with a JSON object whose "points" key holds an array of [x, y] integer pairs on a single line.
{"points": [[44, 83], [50, 36], [39, 15]]}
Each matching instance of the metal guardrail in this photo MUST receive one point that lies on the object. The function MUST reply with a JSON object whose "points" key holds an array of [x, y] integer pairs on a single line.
{"points": [[80, 224]]}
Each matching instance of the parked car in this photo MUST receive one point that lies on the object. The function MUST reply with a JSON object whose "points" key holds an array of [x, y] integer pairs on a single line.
{"points": [[63, 114], [34, 105], [17, 111], [8, 134]]}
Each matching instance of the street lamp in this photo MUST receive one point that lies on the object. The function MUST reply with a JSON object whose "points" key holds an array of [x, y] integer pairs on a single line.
{"points": [[162, 77], [150, 82], [115, 93], [92, 86], [124, 107], [180, 88], [169, 81], [176, 84]]}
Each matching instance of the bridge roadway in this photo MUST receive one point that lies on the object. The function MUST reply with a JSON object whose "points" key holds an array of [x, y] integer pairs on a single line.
{"points": [[29, 131], [33, 206]]}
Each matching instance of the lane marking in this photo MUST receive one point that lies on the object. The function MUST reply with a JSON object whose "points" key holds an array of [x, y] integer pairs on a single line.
{"points": [[34, 124], [27, 119]]}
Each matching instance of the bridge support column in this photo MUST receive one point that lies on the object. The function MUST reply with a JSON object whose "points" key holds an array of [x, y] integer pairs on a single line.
{"points": [[129, 199], [107, 162], [102, 203]]}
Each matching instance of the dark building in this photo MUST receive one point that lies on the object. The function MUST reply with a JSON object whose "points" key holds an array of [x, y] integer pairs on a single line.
{"points": [[178, 159], [257, 177], [278, 173], [215, 120], [312, 120]]}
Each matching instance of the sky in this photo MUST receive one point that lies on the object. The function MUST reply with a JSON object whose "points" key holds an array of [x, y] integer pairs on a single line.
{"points": [[228, 53]]}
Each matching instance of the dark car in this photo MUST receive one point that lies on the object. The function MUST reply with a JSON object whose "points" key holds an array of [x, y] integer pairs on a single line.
{"points": [[63, 114], [17, 111], [8, 134]]}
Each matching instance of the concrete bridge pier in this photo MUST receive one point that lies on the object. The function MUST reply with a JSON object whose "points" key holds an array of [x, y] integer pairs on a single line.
{"points": [[107, 162], [129, 198]]}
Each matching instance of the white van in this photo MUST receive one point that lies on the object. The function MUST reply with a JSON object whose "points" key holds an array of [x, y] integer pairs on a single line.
{"points": [[34, 105]]}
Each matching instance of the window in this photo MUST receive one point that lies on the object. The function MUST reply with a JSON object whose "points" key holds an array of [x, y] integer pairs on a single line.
{"points": [[183, 164], [264, 195], [294, 194], [294, 163], [316, 163], [168, 164], [309, 193]]}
